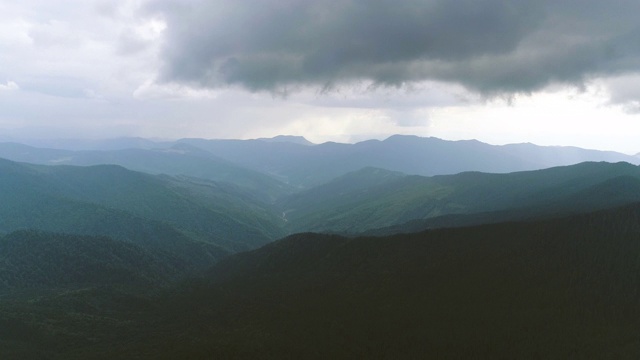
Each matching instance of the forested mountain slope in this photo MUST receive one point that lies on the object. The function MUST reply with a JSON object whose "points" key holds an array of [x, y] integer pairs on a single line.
{"points": [[232, 218], [40, 260], [345, 206], [195, 222], [179, 159], [558, 288]]}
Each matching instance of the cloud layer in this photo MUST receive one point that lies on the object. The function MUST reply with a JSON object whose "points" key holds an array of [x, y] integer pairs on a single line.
{"points": [[489, 46]]}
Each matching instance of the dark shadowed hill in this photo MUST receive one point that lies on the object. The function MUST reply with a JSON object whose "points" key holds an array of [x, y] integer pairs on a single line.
{"points": [[38, 260], [554, 289], [563, 288]]}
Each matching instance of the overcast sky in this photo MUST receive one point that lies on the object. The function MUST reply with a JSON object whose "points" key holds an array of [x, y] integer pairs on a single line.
{"points": [[502, 71]]}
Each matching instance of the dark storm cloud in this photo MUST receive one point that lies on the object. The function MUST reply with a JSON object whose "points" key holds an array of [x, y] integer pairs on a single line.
{"points": [[491, 46]]}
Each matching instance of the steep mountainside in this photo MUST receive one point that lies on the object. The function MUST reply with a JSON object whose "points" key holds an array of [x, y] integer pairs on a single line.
{"points": [[563, 288], [553, 289]]}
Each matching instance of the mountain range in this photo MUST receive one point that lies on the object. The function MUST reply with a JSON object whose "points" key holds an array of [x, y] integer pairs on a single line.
{"points": [[280, 248], [196, 222], [298, 163], [306, 166]]}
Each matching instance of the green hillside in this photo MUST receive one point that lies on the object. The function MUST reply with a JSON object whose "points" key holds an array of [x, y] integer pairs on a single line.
{"points": [[180, 159], [194, 223], [343, 206], [216, 214]]}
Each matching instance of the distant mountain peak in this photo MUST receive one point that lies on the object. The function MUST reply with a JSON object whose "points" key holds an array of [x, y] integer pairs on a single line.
{"points": [[185, 149], [288, 138], [399, 137], [425, 139]]}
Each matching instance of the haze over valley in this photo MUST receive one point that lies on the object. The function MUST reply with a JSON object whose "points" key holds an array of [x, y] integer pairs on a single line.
{"points": [[319, 179]]}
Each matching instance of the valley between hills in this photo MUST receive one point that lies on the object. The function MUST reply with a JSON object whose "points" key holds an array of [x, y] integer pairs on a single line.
{"points": [[279, 248]]}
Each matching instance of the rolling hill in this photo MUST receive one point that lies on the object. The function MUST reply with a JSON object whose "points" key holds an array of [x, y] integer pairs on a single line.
{"points": [[234, 219], [369, 198], [197, 223], [179, 159]]}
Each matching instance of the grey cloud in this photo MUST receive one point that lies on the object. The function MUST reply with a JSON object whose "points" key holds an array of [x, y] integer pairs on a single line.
{"points": [[130, 44], [490, 46], [625, 91]]}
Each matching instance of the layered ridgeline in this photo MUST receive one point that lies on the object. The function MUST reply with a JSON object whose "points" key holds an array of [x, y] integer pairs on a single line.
{"points": [[76, 199], [293, 160], [374, 198], [89, 257], [564, 288], [197, 222], [306, 166], [172, 159]]}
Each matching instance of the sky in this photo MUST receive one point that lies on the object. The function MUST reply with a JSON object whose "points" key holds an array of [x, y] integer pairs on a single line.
{"points": [[500, 71]]}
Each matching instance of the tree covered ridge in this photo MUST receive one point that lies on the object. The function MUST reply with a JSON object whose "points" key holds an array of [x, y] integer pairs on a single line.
{"points": [[556, 288], [37, 259]]}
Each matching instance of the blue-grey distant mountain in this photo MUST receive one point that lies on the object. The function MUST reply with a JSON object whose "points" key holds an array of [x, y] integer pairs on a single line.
{"points": [[301, 164], [119, 143], [306, 166], [288, 139], [177, 159]]}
